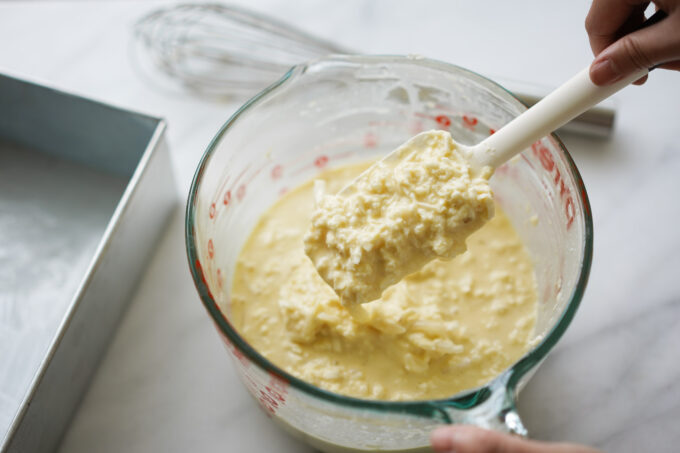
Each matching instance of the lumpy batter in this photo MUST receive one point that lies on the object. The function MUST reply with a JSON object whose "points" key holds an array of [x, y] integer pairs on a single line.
{"points": [[451, 326], [418, 205]]}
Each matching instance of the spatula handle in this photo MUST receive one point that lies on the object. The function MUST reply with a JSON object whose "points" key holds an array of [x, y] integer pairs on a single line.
{"points": [[568, 101]]}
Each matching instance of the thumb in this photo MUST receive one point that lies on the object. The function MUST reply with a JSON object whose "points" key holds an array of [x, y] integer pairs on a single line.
{"points": [[643, 48], [470, 439]]}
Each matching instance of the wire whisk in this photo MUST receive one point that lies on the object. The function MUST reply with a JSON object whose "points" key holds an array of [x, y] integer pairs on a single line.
{"points": [[224, 50]]}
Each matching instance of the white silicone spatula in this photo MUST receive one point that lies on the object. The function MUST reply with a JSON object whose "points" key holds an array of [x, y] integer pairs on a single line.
{"points": [[571, 99]]}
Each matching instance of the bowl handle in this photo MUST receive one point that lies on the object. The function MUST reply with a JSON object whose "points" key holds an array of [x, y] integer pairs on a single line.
{"points": [[497, 411]]}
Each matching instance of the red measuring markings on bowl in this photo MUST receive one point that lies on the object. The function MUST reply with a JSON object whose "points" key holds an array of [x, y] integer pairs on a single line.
{"points": [[268, 402], [278, 386], [265, 401], [277, 171], [321, 161], [270, 397], [470, 122], [443, 120], [241, 192], [217, 199], [548, 163], [274, 393], [370, 140]]}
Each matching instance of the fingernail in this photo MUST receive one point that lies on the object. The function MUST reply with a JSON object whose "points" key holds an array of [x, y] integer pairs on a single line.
{"points": [[604, 72], [441, 440], [640, 81]]}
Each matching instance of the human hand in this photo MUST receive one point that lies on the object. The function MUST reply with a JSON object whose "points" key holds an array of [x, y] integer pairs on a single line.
{"points": [[621, 48], [470, 439]]}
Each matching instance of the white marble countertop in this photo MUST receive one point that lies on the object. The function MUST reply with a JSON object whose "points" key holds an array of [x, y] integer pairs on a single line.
{"points": [[613, 381]]}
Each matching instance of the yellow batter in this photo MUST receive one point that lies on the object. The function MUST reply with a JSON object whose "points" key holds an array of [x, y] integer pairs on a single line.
{"points": [[451, 326]]}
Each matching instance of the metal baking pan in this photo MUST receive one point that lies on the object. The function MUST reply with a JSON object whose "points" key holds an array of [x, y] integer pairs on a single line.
{"points": [[85, 191]]}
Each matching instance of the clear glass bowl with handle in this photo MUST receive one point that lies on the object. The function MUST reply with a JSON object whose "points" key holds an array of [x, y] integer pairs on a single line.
{"points": [[346, 109]]}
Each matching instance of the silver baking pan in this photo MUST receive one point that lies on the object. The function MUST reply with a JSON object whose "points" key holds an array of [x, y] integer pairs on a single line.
{"points": [[85, 191]]}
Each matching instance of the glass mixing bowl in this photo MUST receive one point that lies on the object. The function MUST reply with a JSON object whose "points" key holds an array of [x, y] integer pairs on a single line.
{"points": [[345, 109]]}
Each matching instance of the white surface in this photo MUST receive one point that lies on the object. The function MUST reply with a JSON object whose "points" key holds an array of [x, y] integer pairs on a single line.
{"points": [[614, 379]]}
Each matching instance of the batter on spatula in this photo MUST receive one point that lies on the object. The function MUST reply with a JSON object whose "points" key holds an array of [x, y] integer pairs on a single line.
{"points": [[399, 215]]}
